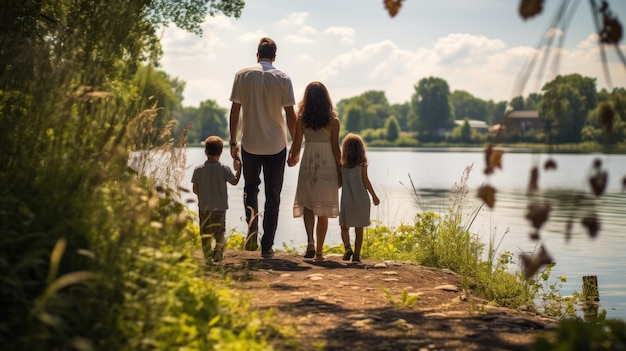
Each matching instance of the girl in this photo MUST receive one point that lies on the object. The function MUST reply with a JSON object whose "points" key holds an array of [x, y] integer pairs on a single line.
{"points": [[317, 193], [355, 203]]}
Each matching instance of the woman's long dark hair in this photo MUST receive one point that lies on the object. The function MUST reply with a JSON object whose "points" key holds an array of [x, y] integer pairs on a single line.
{"points": [[316, 108]]}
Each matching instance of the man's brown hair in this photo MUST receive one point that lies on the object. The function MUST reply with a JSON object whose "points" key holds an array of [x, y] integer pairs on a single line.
{"points": [[267, 49]]}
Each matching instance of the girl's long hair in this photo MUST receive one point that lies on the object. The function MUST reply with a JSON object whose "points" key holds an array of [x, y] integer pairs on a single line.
{"points": [[316, 108], [353, 151]]}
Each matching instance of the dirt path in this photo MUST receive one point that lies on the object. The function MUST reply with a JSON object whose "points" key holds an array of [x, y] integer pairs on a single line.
{"points": [[338, 305]]}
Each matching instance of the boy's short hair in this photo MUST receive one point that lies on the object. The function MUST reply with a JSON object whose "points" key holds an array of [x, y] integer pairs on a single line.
{"points": [[213, 146], [267, 48]]}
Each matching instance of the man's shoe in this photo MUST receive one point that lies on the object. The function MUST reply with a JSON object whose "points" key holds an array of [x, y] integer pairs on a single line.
{"points": [[218, 254], [251, 242], [267, 253]]}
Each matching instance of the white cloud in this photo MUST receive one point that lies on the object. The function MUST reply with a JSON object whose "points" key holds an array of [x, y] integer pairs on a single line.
{"points": [[307, 30], [345, 34], [298, 39], [295, 18], [482, 63], [459, 48], [590, 42], [252, 37], [303, 36], [554, 33]]}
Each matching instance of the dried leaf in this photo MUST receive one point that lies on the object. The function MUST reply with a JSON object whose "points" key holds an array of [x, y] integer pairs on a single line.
{"points": [[550, 164], [611, 32], [488, 194], [538, 214], [493, 159], [535, 235], [534, 179], [496, 159], [530, 8], [488, 151], [592, 225], [532, 263], [598, 182], [393, 6]]}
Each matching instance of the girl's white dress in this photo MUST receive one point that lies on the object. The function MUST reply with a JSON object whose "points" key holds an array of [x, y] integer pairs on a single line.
{"points": [[355, 200], [318, 183]]}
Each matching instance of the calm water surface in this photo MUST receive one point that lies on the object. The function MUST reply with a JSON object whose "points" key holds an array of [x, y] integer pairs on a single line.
{"points": [[435, 173]]}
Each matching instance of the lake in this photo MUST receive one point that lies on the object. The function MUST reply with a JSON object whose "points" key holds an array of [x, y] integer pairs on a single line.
{"points": [[435, 172]]}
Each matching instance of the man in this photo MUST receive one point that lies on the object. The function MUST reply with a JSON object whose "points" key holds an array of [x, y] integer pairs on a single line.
{"points": [[261, 93]]}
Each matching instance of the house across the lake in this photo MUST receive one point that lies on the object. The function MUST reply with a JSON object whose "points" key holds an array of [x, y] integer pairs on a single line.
{"points": [[522, 121], [479, 126]]}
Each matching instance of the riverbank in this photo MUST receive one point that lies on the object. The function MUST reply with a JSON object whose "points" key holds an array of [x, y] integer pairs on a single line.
{"points": [[375, 305]]}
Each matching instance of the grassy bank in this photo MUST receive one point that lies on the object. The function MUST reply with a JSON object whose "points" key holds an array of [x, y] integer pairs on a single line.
{"points": [[94, 254]]}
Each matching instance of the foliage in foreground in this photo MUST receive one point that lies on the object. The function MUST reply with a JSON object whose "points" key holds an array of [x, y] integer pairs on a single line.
{"points": [[600, 334], [94, 247], [107, 265]]}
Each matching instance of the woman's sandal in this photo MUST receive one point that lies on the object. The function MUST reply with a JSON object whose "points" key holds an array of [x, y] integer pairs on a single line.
{"points": [[310, 252]]}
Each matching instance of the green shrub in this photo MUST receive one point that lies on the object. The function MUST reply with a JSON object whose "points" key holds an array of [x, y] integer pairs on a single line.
{"points": [[575, 334], [445, 241]]}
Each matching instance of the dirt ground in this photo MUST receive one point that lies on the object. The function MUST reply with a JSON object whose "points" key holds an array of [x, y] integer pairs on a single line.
{"points": [[340, 305]]}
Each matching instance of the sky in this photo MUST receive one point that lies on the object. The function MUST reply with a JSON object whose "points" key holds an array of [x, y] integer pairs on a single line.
{"points": [[353, 46]]}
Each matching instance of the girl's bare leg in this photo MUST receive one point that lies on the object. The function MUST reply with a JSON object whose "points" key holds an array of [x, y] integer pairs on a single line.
{"points": [[358, 242], [345, 237]]}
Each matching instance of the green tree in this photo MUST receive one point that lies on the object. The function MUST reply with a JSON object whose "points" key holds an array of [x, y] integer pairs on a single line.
{"points": [[466, 131], [517, 103], [375, 108], [208, 119], [401, 112], [430, 107], [565, 105], [161, 90], [495, 111], [354, 119], [465, 105], [607, 122], [392, 128], [532, 101]]}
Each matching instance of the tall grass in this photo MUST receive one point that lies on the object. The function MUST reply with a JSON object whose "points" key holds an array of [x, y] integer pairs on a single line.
{"points": [[94, 254], [445, 241]]}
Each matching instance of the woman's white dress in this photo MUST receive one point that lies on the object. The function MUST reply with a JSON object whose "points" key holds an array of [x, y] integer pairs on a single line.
{"points": [[318, 183]]}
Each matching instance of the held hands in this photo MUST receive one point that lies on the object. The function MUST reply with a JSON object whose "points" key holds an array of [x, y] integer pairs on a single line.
{"points": [[237, 164], [292, 160], [234, 153], [375, 200]]}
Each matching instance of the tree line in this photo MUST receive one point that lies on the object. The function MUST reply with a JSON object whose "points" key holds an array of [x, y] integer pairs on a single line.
{"points": [[570, 109]]}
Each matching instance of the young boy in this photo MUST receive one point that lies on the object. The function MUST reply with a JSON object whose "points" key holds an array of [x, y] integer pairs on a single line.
{"points": [[209, 183]]}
